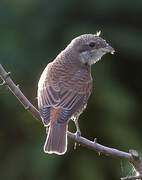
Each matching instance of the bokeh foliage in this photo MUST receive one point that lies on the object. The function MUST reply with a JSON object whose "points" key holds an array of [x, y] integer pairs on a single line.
{"points": [[32, 33]]}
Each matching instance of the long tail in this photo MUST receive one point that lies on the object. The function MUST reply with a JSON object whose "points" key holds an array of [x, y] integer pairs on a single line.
{"points": [[56, 141]]}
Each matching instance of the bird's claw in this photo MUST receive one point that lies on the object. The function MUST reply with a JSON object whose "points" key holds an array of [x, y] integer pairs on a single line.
{"points": [[78, 134]]}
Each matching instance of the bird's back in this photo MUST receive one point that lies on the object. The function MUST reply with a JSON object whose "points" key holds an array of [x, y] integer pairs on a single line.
{"points": [[65, 84]]}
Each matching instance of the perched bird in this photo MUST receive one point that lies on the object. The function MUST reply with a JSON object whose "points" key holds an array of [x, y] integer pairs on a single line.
{"points": [[65, 86]]}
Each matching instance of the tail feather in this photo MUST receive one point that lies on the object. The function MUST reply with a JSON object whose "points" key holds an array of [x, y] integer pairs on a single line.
{"points": [[56, 141]]}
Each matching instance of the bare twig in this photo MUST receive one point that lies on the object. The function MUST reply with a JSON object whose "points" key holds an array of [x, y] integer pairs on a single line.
{"points": [[133, 156], [132, 177], [17, 92]]}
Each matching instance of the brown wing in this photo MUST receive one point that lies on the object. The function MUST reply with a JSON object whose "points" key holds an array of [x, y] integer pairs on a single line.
{"points": [[70, 96]]}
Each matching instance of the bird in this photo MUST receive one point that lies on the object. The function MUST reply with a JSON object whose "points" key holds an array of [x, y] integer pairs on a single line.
{"points": [[65, 86]]}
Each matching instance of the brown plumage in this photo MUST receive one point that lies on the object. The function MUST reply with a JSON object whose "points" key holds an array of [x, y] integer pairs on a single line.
{"points": [[65, 86]]}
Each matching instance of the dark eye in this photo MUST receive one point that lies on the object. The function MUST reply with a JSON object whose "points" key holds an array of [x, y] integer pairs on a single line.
{"points": [[92, 44]]}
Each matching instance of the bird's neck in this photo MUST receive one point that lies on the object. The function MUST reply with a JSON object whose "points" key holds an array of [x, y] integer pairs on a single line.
{"points": [[72, 58]]}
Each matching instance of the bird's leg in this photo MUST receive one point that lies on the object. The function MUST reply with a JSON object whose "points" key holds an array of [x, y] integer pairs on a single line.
{"points": [[78, 132]]}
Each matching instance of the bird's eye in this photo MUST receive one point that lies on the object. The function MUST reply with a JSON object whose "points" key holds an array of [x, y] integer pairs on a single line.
{"points": [[92, 44]]}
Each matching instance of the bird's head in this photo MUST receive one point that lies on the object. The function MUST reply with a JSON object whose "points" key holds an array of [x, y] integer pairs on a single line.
{"points": [[90, 47]]}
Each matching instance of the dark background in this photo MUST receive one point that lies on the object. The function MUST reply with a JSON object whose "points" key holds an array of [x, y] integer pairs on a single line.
{"points": [[32, 33]]}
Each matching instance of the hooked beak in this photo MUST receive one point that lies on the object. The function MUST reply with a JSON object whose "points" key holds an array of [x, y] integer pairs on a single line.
{"points": [[108, 49]]}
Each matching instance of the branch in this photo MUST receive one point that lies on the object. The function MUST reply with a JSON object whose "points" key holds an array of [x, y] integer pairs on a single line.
{"points": [[133, 156], [7, 81]]}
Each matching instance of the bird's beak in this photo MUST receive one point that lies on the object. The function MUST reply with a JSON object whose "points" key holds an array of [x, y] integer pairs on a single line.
{"points": [[108, 49]]}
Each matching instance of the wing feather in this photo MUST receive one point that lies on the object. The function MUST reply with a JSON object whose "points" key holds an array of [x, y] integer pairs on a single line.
{"points": [[69, 101], [45, 113]]}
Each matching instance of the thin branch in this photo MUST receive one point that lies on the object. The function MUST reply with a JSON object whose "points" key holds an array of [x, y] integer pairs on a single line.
{"points": [[17, 92], [132, 177], [133, 156]]}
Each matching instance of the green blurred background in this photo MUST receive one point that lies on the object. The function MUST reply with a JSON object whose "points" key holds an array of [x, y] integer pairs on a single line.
{"points": [[32, 33]]}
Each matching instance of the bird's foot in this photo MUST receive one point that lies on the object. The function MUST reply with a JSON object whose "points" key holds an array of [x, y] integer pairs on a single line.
{"points": [[78, 134]]}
